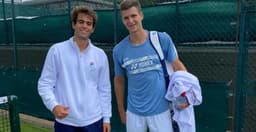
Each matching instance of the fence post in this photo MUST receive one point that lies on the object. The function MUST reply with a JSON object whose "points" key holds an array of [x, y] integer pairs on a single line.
{"points": [[177, 25], [115, 22], [14, 36], [13, 113], [5, 24], [242, 72], [69, 14]]}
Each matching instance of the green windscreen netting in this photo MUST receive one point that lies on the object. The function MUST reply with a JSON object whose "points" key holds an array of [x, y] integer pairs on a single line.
{"points": [[195, 21]]}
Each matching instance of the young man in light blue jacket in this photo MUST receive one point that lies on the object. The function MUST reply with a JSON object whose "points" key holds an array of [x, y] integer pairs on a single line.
{"points": [[135, 58]]}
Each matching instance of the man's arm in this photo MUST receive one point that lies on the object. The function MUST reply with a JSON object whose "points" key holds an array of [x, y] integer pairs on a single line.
{"points": [[47, 80], [119, 84], [178, 65], [104, 89]]}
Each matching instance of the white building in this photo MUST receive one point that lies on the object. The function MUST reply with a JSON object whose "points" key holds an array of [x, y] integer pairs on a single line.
{"points": [[60, 4], [15, 1]]}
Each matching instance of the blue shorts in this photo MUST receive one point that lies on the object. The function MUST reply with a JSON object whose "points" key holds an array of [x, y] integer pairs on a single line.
{"points": [[95, 127]]}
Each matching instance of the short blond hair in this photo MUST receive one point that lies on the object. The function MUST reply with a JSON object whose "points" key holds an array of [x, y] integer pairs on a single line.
{"points": [[127, 4]]}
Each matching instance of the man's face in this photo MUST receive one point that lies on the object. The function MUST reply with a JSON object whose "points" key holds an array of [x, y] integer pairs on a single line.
{"points": [[132, 19], [83, 27]]}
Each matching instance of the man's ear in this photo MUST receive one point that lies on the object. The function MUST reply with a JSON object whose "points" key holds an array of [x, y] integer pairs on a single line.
{"points": [[73, 24], [142, 14], [93, 29]]}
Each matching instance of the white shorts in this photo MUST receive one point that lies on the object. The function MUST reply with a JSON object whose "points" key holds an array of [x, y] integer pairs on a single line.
{"points": [[157, 123]]}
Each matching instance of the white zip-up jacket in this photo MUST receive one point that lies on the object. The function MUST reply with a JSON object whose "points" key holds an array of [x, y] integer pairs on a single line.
{"points": [[182, 81], [78, 80]]}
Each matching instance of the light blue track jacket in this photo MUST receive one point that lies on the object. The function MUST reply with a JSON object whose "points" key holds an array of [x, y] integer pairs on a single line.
{"points": [[78, 80]]}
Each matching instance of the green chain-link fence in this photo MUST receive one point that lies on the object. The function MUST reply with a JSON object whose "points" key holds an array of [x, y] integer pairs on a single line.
{"points": [[246, 90], [215, 40]]}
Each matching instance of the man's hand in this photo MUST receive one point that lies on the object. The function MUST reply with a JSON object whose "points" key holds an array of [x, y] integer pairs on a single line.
{"points": [[184, 99], [60, 111], [183, 105], [106, 127]]}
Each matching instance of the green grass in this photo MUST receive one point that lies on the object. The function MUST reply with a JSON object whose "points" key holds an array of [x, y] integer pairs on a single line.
{"points": [[26, 127]]}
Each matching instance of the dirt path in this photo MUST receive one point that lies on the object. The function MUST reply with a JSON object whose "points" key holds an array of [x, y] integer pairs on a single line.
{"points": [[36, 121]]}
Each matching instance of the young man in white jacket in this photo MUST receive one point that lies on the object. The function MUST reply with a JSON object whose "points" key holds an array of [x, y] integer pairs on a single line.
{"points": [[75, 83]]}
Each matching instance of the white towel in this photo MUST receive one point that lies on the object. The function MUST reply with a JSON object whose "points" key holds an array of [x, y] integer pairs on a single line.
{"points": [[182, 81]]}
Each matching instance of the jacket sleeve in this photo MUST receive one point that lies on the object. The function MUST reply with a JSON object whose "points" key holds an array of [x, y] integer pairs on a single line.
{"points": [[104, 88], [47, 80]]}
